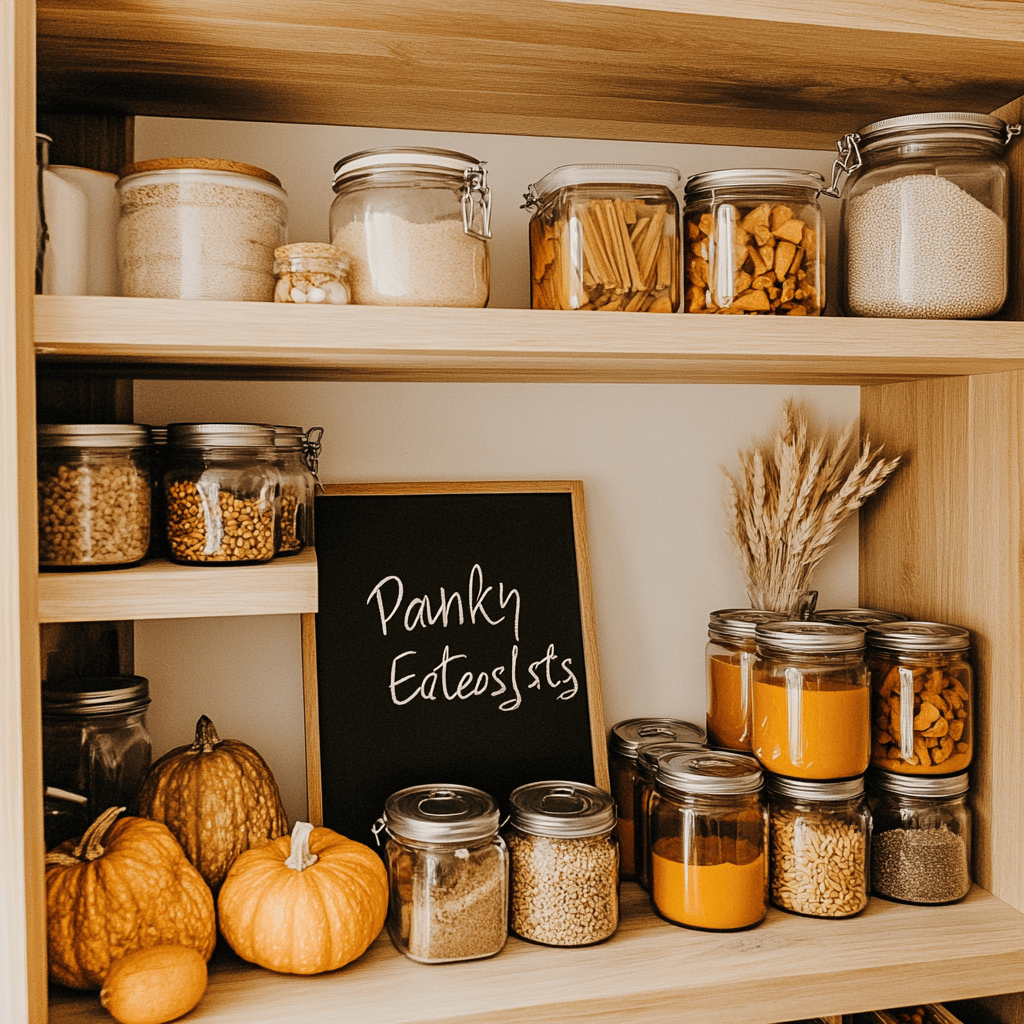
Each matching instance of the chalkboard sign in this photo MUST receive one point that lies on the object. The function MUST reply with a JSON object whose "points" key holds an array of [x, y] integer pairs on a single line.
{"points": [[454, 643]]}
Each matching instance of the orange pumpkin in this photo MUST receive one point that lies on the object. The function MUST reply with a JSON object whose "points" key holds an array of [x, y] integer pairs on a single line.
{"points": [[125, 885], [218, 798], [303, 904]]}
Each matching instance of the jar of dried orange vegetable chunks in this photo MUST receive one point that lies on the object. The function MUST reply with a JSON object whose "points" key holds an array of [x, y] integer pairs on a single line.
{"points": [[755, 242], [605, 237]]}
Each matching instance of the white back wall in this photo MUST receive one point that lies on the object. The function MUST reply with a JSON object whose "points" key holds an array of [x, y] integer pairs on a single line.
{"points": [[650, 456]]}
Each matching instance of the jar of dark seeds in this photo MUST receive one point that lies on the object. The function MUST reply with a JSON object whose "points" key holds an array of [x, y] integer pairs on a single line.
{"points": [[447, 872], [921, 842], [564, 864]]}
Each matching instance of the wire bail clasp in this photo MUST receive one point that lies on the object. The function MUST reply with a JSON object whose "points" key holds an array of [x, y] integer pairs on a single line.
{"points": [[311, 451], [848, 161], [475, 193]]}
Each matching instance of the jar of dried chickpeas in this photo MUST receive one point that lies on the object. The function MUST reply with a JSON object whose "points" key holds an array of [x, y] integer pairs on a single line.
{"points": [[605, 237], [755, 242], [221, 493]]}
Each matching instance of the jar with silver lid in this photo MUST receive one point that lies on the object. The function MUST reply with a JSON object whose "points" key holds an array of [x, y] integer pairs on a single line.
{"points": [[605, 237], [921, 839], [221, 493], [729, 661], [564, 864], [625, 741], [311, 272], [94, 494], [447, 874], [863, 617], [755, 242], [709, 841], [922, 697], [811, 700], [925, 216], [298, 486], [820, 836], [415, 225]]}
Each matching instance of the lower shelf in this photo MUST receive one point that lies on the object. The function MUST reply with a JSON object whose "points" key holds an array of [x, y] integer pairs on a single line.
{"points": [[650, 971]]}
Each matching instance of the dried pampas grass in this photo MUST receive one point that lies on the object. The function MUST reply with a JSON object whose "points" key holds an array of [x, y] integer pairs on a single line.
{"points": [[788, 503]]}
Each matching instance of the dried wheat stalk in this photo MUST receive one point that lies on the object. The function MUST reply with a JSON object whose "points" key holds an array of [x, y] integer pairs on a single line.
{"points": [[789, 501]]}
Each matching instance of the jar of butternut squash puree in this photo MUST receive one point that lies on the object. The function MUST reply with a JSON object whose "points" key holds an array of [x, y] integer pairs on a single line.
{"points": [[811, 700]]}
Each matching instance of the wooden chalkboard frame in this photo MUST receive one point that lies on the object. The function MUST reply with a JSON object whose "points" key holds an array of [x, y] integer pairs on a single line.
{"points": [[574, 488]]}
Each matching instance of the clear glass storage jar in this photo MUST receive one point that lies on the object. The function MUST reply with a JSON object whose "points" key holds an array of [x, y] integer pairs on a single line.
{"points": [[863, 617], [729, 663], [95, 746], [924, 216], [298, 489], [709, 841], [921, 837], [755, 242], [811, 700], [311, 272], [564, 864], [415, 225], [447, 874], [820, 838], [922, 697], [193, 228], [605, 237], [625, 741], [157, 505], [94, 494], [221, 493]]}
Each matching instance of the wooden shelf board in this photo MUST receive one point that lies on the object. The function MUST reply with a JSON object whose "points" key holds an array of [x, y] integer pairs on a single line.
{"points": [[161, 590], [653, 70], [171, 338], [648, 973]]}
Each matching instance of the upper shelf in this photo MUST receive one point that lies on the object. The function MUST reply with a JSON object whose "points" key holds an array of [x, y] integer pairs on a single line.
{"points": [[652, 70], [177, 338]]}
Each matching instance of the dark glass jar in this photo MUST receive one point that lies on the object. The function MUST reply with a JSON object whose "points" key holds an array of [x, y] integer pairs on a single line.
{"points": [[298, 489]]}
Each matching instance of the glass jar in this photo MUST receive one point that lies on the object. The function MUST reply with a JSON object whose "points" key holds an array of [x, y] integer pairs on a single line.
{"points": [[643, 789], [192, 228], [709, 841], [415, 225], [729, 662], [564, 864], [921, 839], [157, 505], [605, 237], [94, 495], [922, 690], [755, 242], [924, 216], [820, 836], [298, 489], [95, 748], [624, 743], [863, 617], [811, 700], [447, 874], [311, 272], [221, 493]]}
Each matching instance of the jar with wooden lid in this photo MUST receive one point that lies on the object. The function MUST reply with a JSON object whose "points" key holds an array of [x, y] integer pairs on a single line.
{"points": [[709, 841], [922, 697], [625, 741], [311, 272], [605, 237], [298, 487], [195, 228], [414, 223], [811, 700], [755, 242], [729, 660]]}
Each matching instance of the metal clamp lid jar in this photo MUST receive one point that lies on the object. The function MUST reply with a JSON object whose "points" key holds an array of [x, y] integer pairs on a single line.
{"points": [[298, 486], [755, 242], [415, 224], [925, 216]]}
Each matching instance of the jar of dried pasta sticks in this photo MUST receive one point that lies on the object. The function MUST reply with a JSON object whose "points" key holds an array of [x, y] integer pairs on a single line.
{"points": [[605, 237]]}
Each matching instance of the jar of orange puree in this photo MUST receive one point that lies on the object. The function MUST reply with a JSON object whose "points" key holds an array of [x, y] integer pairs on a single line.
{"points": [[730, 660], [811, 700], [709, 841]]}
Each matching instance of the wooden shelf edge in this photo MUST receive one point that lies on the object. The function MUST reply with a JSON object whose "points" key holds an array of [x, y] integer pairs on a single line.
{"points": [[161, 590]]}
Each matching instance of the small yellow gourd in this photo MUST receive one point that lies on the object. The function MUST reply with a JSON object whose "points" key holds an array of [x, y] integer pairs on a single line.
{"points": [[154, 985]]}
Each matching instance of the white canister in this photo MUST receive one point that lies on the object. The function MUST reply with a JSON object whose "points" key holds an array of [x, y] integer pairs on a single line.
{"points": [[101, 227], [66, 260]]}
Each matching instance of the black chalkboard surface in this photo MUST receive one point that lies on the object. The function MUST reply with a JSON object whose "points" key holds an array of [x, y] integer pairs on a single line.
{"points": [[454, 643]]}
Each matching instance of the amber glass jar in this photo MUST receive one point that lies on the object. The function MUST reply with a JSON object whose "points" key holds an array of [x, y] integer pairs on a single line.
{"points": [[811, 700], [922, 697], [729, 659], [625, 741], [709, 841], [605, 237]]}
